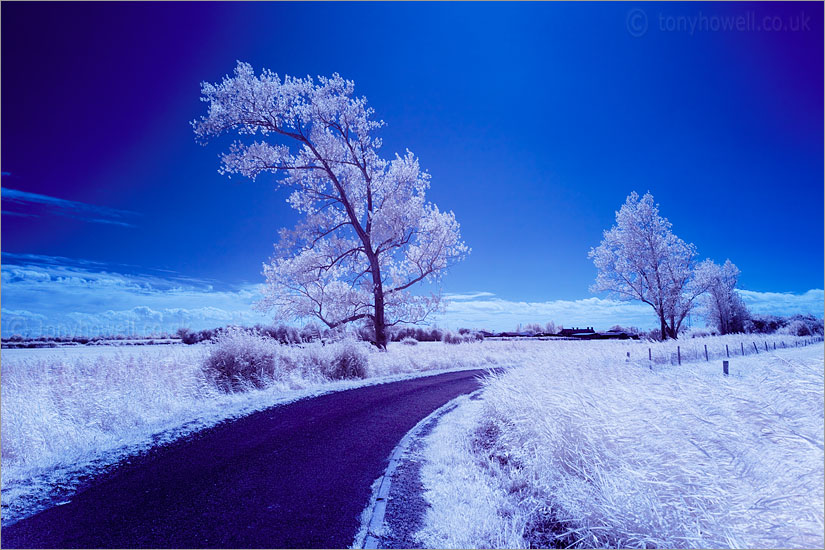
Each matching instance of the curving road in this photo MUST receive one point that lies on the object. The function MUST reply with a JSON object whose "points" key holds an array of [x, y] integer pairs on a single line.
{"points": [[294, 476]]}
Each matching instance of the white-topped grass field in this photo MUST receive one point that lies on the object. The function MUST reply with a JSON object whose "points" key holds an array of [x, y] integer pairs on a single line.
{"points": [[579, 448], [69, 412], [575, 436]]}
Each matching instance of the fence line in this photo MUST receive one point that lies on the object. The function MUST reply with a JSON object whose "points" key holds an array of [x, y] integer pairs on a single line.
{"points": [[689, 353]]}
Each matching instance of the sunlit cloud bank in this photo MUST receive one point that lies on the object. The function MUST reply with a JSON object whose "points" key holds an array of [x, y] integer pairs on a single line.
{"points": [[483, 310], [50, 296], [497, 314], [785, 303], [54, 296]]}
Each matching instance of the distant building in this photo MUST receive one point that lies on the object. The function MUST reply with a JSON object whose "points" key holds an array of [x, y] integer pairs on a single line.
{"points": [[577, 331]]}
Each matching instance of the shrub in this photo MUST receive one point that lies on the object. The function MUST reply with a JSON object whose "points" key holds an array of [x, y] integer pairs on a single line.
{"points": [[450, 337], [187, 336], [417, 333], [282, 333], [310, 332], [802, 325], [409, 341], [241, 358], [346, 360], [458, 338], [702, 333]]}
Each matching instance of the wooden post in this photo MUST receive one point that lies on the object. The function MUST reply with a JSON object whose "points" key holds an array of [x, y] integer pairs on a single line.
{"points": [[743, 348], [628, 358], [679, 354], [727, 351], [649, 355], [774, 345], [755, 348], [766, 345], [706, 353], [725, 368]]}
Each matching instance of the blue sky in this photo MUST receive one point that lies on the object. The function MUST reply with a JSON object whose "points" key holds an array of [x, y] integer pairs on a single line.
{"points": [[535, 121]]}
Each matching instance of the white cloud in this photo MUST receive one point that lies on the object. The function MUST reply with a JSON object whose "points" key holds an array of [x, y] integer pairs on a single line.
{"points": [[468, 295], [498, 314], [56, 296], [46, 295], [63, 207], [785, 303]]}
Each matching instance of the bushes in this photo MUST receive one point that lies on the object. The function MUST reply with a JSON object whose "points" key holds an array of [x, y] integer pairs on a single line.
{"points": [[460, 338], [409, 341], [802, 325], [280, 333], [243, 359], [419, 334], [797, 325], [190, 337], [345, 360]]}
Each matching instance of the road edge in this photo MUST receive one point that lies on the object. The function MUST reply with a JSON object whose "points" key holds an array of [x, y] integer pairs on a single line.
{"points": [[372, 522]]}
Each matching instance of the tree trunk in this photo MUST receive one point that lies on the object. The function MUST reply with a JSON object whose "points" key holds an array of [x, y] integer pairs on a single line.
{"points": [[663, 328], [378, 320], [674, 330]]}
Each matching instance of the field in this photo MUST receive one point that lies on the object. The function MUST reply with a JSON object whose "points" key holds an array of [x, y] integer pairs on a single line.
{"points": [[581, 448], [579, 443], [68, 413]]}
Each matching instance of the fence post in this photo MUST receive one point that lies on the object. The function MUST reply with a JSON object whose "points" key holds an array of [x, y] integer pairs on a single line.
{"points": [[706, 353], [766, 345], [628, 358], [727, 351], [649, 355], [774, 345], [755, 348], [679, 354], [743, 348], [725, 368]]}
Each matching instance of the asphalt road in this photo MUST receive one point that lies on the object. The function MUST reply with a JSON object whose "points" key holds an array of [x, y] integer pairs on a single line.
{"points": [[294, 476]]}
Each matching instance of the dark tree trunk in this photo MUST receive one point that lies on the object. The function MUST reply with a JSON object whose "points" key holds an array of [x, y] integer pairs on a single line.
{"points": [[378, 321], [663, 329]]}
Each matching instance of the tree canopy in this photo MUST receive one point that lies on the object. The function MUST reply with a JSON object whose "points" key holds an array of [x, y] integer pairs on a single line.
{"points": [[366, 234]]}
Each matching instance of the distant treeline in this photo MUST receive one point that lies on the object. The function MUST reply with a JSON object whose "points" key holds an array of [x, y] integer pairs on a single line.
{"points": [[795, 325], [287, 335]]}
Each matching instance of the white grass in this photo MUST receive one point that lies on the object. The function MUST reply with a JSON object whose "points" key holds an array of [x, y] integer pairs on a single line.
{"points": [[70, 412], [580, 448]]}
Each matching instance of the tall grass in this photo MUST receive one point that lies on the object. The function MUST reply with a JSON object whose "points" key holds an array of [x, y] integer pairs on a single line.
{"points": [[581, 448], [69, 412]]}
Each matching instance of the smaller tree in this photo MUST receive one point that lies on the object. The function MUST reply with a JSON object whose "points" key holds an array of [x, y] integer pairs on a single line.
{"points": [[640, 258], [721, 305]]}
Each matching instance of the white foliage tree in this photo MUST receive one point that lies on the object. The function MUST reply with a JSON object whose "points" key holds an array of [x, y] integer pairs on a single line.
{"points": [[367, 233], [721, 305], [640, 258]]}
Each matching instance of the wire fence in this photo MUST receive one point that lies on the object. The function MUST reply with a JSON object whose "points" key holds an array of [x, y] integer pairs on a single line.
{"points": [[687, 351]]}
